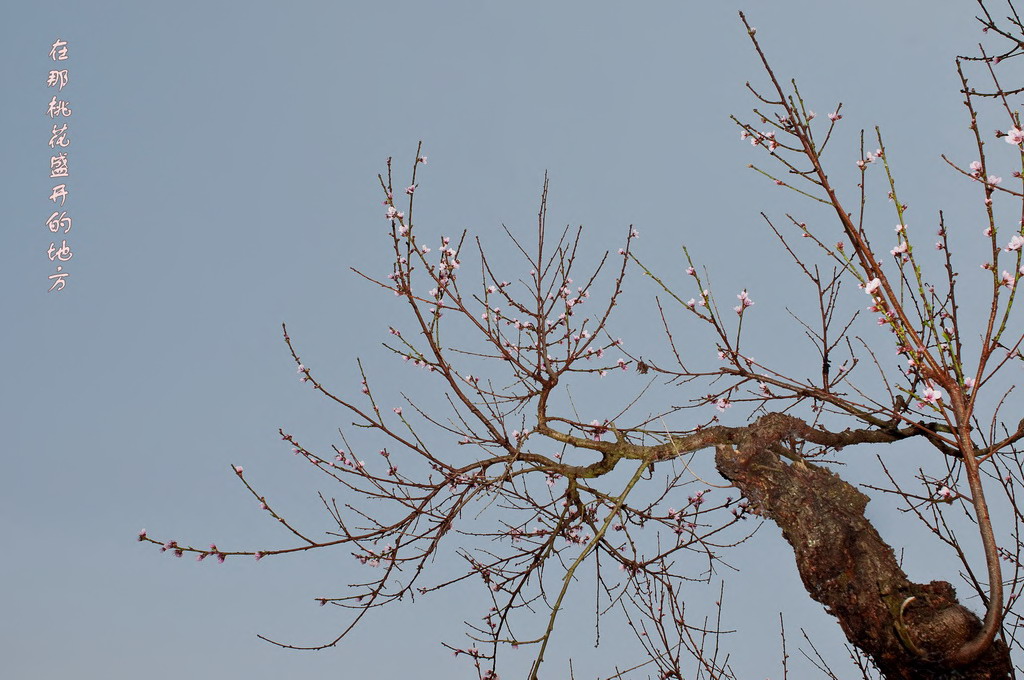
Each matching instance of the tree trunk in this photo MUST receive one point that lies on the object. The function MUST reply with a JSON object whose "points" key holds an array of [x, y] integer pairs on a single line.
{"points": [[908, 629]]}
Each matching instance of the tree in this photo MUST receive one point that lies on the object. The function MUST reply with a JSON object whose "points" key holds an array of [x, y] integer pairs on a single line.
{"points": [[530, 491]]}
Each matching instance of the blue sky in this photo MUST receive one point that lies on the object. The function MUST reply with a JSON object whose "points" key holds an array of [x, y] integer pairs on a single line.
{"points": [[223, 166]]}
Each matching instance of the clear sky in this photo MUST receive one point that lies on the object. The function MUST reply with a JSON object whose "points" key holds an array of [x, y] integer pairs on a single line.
{"points": [[222, 180]]}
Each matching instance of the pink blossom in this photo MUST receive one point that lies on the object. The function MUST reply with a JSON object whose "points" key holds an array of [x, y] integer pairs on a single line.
{"points": [[900, 249], [409, 189], [872, 286], [422, 159], [691, 303], [976, 166], [238, 469], [1016, 241], [1014, 136], [722, 404], [993, 180], [834, 116], [745, 302], [691, 271], [969, 383], [931, 395], [397, 410], [945, 493], [1008, 280]]}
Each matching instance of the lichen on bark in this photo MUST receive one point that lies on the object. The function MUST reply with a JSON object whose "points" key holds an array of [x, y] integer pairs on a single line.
{"points": [[907, 629]]}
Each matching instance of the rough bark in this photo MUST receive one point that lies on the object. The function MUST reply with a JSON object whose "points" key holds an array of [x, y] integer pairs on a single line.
{"points": [[908, 629]]}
